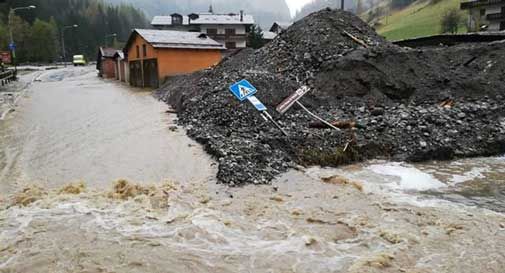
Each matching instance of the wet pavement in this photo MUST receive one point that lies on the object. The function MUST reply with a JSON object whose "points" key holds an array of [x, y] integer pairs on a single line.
{"points": [[73, 126]]}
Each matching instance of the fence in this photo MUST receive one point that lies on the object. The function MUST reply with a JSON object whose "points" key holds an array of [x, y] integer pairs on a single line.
{"points": [[7, 77]]}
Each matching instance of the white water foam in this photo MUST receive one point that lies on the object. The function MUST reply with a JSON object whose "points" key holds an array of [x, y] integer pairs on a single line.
{"points": [[408, 177]]}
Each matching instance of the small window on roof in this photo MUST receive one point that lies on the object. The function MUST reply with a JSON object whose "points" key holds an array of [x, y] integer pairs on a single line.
{"points": [[193, 16], [176, 19], [138, 52], [144, 50]]}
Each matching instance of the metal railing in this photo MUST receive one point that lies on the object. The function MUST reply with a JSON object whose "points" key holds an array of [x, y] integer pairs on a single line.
{"points": [[7, 76]]}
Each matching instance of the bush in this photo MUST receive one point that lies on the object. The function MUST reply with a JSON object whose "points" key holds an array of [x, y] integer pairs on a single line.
{"points": [[451, 21]]}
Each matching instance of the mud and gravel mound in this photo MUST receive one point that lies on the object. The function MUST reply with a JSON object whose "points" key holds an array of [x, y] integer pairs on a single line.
{"points": [[393, 102]]}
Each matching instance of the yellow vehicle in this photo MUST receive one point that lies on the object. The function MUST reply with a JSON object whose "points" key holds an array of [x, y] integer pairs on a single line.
{"points": [[79, 60]]}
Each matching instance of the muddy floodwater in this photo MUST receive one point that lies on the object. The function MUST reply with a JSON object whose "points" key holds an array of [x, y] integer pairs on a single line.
{"points": [[63, 210], [73, 126]]}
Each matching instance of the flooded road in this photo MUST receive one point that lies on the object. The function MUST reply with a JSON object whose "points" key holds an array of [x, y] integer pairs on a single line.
{"points": [[73, 126], [169, 216]]}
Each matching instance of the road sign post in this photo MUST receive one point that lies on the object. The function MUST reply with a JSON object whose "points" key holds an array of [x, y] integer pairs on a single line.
{"points": [[245, 90], [286, 104]]}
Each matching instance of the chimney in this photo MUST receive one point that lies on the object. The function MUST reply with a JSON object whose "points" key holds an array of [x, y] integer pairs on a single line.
{"points": [[241, 16]]}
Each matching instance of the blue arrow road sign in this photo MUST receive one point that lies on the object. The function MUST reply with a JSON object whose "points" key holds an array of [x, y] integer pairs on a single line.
{"points": [[12, 46], [257, 103], [243, 89]]}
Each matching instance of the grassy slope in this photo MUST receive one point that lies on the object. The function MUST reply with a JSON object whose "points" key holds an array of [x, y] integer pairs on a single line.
{"points": [[418, 19]]}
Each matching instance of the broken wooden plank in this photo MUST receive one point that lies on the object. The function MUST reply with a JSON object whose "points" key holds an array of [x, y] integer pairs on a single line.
{"points": [[354, 38]]}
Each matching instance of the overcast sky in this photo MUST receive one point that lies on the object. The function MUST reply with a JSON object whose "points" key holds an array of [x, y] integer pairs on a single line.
{"points": [[295, 5]]}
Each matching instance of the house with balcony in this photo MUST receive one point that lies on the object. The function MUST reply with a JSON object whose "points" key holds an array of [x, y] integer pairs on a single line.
{"points": [[486, 15], [230, 30]]}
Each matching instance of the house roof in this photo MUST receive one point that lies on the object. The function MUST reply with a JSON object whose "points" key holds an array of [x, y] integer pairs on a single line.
{"points": [[107, 52], [206, 18], [119, 53], [283, 25], [167, 20], [268, 35], [175, 39]]}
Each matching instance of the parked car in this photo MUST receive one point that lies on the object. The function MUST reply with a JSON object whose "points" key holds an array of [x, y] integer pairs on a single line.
{"points": [[79, 60]]}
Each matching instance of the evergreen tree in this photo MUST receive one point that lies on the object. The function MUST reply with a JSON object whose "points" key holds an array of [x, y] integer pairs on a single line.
{"points": [[255, 39], [95, 18], [42, 33]]}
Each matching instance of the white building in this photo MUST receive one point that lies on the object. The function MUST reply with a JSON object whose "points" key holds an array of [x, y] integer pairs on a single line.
{"points": [[230, 30], [485, 14]]}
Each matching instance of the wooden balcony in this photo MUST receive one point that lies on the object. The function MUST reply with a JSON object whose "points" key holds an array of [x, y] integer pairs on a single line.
{"points": [[478, 3], [495, 16]]}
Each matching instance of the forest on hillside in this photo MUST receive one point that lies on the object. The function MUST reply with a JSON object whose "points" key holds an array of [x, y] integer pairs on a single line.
{"points": [[37, 32]]}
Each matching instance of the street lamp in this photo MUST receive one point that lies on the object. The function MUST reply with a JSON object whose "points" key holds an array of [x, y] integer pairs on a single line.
{"points": [[12, 45], [63, 42], [107, 36]]}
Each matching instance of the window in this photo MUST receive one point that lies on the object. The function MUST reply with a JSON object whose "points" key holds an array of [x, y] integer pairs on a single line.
{"points": [[231, 45], [502, 25], [144, 50], [138, 52], [212, 31], [229, 31], [482, 12]]}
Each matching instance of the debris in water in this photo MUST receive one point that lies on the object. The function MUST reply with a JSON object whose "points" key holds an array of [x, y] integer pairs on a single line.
{"points": [[27, 196], [339, 180], [277, 198], [451, 228], [380, 261], [73, 188], [309, 240], [391, 237], [125, 190]]}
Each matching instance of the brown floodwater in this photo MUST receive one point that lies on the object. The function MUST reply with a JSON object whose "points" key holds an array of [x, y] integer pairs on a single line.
{"points": [[74, 126]]}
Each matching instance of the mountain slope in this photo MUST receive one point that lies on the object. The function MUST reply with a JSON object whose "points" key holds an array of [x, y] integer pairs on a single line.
{"points": [[421, 18], [264, 11]]}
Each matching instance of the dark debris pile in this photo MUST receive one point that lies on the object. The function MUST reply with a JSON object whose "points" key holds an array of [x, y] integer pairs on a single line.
{"points": [[392, 102]]}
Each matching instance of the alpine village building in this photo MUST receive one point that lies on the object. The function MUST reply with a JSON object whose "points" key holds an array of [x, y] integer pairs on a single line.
{"points": [[485, 15], [228, 29], [154, 55]]}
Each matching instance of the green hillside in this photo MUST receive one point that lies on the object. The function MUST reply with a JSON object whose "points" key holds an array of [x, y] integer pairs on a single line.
{"points": [[421, 18]]}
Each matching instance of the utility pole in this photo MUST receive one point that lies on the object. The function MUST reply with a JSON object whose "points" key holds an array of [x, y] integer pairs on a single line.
{"points": [[12, 45], [63, 42]]}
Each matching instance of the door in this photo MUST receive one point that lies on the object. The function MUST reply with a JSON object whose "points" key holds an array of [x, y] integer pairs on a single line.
{"points": [[135, 74], [151, 73]]}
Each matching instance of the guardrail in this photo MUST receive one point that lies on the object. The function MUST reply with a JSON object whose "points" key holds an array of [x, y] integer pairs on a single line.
{"points": [[7, 77]]}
